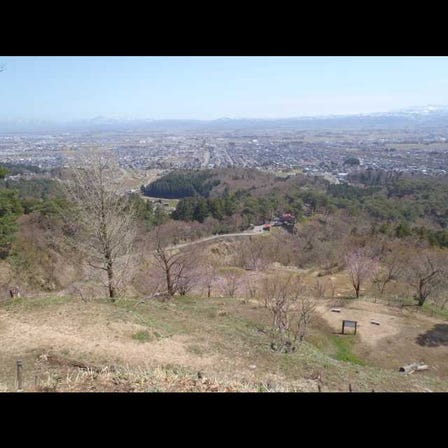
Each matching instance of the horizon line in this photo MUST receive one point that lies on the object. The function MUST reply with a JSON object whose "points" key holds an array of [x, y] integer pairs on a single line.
{"points": [[261, 118]]}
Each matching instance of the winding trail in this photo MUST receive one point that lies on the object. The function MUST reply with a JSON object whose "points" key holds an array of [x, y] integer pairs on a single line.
{"points": [[258, 230]]}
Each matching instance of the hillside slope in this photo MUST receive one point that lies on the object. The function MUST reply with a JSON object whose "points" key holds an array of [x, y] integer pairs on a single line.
{"points": [[215, 344]]}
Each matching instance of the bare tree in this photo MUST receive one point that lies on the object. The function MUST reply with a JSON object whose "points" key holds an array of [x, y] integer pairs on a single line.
{"points": [[306, 308], [278, 300], [105, 217], [423, 271], [175, 266], [389, 270], [209, 275], [277, 287], [361, 267], [319, 288]]}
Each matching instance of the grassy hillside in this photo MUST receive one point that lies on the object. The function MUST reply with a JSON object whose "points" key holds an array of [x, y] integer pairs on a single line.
{"points": [[215, 344]]}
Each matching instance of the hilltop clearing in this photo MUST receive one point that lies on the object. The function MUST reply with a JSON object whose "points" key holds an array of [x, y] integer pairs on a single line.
{"points": [[197, 344]]}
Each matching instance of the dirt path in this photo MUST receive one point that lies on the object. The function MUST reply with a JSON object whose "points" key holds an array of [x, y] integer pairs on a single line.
{"points": [[257, 231]]}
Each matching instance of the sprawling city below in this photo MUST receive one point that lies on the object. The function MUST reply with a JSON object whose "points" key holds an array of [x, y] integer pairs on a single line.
{"points": [[320, 152]]}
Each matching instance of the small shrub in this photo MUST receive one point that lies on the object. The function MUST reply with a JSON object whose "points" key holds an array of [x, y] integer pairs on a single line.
{"points": [[142, 336]]}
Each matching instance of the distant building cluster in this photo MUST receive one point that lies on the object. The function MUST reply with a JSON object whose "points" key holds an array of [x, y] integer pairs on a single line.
{"points": [[332, 154]]}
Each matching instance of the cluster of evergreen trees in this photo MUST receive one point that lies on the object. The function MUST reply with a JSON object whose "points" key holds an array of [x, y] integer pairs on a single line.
{"points": [[438, 238], [253, 209], [178, 185], [198, 208], [148, 214], [396, 199], [10, 209]]}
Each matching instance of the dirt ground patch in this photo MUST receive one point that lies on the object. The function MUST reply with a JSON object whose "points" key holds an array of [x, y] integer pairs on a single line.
{"points": [[91, 333], [397, 339], [73, 329]]}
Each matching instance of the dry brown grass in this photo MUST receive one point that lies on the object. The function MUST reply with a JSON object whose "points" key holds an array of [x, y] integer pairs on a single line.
{"points": [[70, 345]]}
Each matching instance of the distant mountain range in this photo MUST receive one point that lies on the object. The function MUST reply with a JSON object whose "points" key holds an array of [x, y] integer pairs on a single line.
{"points": [[418, 117]]}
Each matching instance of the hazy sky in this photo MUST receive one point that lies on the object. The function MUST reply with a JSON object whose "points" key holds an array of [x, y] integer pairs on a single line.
{"points": [[66, 88]]}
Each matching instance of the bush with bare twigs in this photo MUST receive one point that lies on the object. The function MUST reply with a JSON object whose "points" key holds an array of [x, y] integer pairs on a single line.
{"points": [[291, 309]]}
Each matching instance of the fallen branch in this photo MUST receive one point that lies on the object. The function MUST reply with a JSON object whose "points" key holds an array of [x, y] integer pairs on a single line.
{"points": [[411, 368], [59, 361]]}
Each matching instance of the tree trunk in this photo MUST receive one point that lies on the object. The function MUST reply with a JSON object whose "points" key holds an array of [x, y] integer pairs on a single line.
{"points": [[110, 280], [421, 297], [169, 284], [357, 291]]}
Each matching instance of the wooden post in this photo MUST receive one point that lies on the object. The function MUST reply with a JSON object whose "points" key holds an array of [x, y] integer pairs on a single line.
{"points": [[350, 387], [19, 375], [356, 324], [343, 324]]}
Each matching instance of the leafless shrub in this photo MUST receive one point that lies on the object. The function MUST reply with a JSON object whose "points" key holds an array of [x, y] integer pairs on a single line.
{"points": [[251, 289], [291, 311], [232, 280], [251, 254]]}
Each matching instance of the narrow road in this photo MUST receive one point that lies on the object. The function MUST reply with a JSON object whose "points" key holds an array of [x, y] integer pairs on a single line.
{"points": [[257, 230]]}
